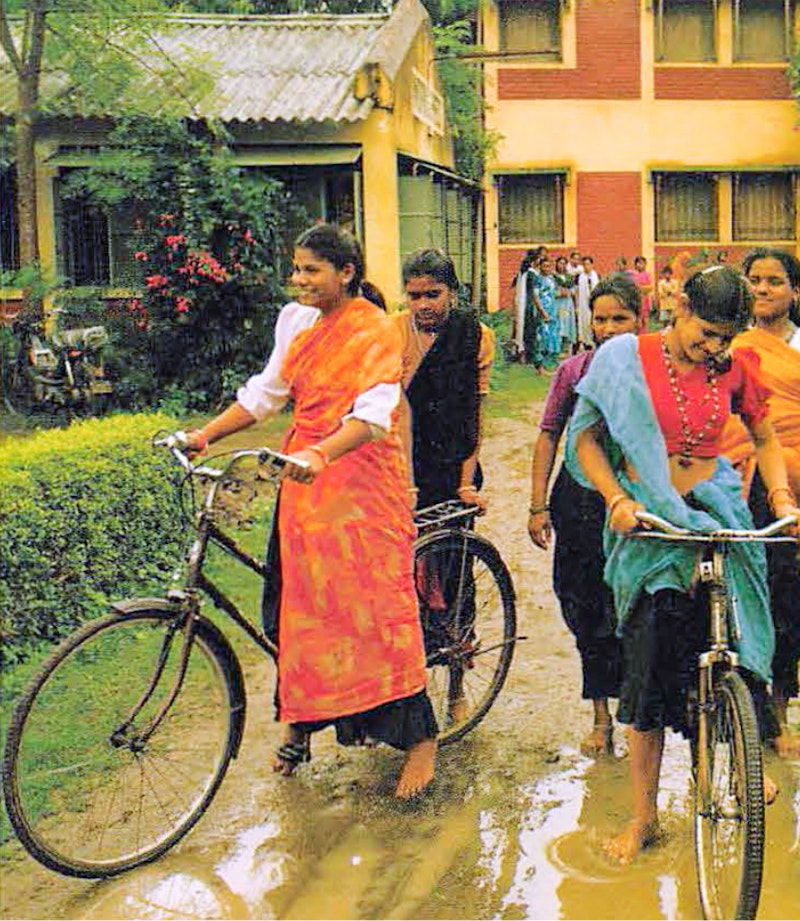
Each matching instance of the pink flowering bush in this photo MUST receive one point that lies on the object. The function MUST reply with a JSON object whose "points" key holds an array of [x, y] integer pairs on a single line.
{"points": [[209, 242]]}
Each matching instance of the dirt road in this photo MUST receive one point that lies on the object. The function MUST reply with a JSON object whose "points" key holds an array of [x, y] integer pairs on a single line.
{"points": [[511, 828]]}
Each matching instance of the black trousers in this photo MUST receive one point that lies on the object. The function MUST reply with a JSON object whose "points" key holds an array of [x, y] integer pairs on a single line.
{"points": [[587, 605]]}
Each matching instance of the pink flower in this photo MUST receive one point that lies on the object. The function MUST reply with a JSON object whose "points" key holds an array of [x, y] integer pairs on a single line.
{"points": [[182, 304], [248, 237], [174, 240], [155, 281], [140, 256]]}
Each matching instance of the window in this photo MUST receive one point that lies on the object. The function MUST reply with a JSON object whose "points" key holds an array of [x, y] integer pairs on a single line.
{"points": [[763, 206], [531, 25], [531, 207], [685, 30], [686, 207], [93, 248], [762, 29], [9, 228], [83, 243]]}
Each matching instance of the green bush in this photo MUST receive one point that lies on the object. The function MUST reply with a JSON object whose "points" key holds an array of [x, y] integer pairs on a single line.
{"points": [[89, 514]]}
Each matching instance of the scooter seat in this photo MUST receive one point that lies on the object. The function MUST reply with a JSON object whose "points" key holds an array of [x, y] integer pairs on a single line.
{"points": [[89, 338]]}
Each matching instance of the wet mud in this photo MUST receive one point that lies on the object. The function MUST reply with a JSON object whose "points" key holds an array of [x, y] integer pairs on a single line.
{"points": [[511, 828]]}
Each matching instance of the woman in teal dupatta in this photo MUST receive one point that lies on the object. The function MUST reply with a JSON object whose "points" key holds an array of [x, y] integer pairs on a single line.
{"points": [[645, 434]]}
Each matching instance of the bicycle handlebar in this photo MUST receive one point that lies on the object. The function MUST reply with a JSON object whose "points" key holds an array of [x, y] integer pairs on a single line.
{"points": [[176, 443], [666, 530]]}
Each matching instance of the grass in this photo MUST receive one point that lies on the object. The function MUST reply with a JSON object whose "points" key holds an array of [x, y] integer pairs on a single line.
{"points": [[514, 388]]}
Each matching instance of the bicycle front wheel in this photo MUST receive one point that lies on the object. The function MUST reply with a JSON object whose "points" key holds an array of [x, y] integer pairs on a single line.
{"points": [[88, 790], [729, 804], [466, 603]]}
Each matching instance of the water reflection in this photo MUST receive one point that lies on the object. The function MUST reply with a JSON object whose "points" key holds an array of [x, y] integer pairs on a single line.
{"points": [[560, 870]]}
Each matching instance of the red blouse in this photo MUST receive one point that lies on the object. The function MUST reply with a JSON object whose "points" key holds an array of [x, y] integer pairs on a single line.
{"points": [[740, 390]]}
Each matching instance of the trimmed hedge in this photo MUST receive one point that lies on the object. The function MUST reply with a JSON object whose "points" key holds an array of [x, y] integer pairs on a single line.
{"points": [[89, 514]]}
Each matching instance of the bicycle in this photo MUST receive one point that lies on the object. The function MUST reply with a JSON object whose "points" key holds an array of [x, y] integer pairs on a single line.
{"points": [[727, 763], [124, 782]]}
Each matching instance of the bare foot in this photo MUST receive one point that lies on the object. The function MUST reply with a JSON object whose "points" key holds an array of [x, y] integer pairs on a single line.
{"points": [[418, 769], [787, 744], [458, 710], [771, 790], [599, 741], [294, 751], [635, 837]]}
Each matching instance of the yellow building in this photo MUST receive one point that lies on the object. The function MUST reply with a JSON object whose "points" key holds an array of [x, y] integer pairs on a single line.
{"points": [[345, 109], [639, 127]]}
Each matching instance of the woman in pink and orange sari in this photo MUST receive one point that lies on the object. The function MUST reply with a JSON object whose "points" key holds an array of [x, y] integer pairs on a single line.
{"points": [[774, 276], [351, 650]]}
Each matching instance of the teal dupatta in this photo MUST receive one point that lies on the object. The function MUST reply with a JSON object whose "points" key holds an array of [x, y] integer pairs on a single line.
{"points": [[614, 391]]}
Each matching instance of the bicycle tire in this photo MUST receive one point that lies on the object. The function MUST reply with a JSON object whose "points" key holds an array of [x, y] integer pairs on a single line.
{"points": [[729, 805], [467, 608], [86, 804]]}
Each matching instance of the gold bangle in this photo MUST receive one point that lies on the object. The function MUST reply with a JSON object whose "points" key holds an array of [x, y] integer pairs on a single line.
{"points": [[320, 452], [413, 489], [538, 509], [615, 501]]}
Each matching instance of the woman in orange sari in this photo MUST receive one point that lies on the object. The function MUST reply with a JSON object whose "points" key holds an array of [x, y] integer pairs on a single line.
{"points": [[775, 278], [351, 649]]}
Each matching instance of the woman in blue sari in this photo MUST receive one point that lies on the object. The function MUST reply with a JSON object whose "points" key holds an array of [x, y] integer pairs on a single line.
{"points": [[646, 435]]}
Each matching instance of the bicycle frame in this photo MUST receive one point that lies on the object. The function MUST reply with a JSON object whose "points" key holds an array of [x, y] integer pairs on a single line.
{"points": [[187, 599]]}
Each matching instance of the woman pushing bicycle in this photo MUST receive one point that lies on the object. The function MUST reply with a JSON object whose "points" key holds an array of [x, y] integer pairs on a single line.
{"points": [[351, 650], [645, 434]]}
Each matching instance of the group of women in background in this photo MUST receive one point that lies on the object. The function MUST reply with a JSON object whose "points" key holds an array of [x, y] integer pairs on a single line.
{"points": [[386, 415]]}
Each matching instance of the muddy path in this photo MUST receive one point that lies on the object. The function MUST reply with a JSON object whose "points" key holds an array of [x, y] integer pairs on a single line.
{"points": [[511, 828]]}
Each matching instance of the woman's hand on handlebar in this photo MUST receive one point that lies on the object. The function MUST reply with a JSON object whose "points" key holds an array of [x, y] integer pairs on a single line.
{"points": [[304, 474], [622, 515], [783, 508], [470, 496], [195, 443]]}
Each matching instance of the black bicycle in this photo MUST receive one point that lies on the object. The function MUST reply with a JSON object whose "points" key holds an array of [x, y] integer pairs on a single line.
{"points": [[729, 792], [119, 744]]}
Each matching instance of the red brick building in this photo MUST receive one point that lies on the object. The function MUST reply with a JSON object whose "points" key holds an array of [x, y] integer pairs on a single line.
{"points": [[639, 127]]}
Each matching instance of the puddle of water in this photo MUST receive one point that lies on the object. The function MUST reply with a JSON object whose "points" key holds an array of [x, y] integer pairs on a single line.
{"points": [[559, 868], [253, 869]]}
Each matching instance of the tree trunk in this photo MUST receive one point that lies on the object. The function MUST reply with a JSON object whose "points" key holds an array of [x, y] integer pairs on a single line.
{"points": [[26, 169]]}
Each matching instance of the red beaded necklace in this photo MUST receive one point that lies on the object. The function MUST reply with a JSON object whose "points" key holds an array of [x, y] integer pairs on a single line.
{"points": [[691, 437]]}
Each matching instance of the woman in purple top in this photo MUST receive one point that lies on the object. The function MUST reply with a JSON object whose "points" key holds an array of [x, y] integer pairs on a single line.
{"points": [[577, 516]]}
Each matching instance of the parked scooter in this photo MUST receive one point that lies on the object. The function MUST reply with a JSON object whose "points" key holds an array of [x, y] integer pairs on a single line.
{"points": [[63, 374]]}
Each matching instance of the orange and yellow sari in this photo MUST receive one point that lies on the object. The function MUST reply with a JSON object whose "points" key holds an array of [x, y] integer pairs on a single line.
{"points": [[780, 371], [349, 632]]}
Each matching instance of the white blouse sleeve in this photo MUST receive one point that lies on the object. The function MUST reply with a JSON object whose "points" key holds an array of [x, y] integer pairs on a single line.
{"points": [[375, 407], [266, 393]]}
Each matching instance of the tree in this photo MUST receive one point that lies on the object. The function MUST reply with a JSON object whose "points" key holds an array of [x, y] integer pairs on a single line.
{"points": [[97, 50]]}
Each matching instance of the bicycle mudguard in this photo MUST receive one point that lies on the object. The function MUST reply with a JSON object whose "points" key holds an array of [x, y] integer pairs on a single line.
{"points": [[217, 640]]}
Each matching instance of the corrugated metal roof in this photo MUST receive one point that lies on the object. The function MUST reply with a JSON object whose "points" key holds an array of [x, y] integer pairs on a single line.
{"points": [[297, 68]]}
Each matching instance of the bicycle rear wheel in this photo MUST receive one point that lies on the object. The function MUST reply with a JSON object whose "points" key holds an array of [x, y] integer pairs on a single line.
{"points": [[729, 804], [466, 602], [90, 795]]}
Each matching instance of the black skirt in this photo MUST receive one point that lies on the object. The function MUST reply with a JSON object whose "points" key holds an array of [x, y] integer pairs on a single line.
{"points": [[661, 640]]}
